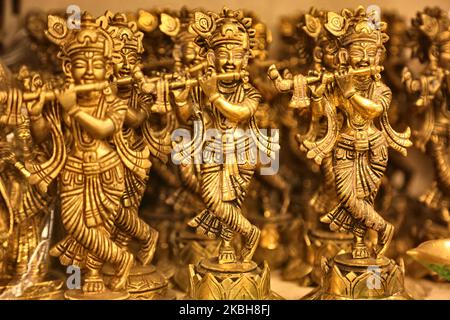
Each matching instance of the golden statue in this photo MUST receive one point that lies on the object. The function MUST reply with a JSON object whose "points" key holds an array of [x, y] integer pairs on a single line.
{"points": [[430, 39], [156, 61], [358, 150], [144, 281], [27, 209], [322, 48], [227, 107], [267, 204], [187, 246], [91, 164]]}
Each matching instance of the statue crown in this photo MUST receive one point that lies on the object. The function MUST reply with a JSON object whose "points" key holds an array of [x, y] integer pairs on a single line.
{"points": [[227, 27], [91, 35]]}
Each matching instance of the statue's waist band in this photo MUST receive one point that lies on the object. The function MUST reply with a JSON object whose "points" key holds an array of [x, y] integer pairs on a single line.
{"points": [[101, 165], [373, 140]]}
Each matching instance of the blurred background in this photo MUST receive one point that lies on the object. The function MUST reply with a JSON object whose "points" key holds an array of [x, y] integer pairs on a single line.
{"points": [[268, 10]]}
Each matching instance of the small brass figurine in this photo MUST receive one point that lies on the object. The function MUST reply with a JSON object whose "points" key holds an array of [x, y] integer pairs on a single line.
{"points": [[358, 148], [430, 38], [92, 169], [144, 282], [227, 105], [27, 208], [187, 246]]}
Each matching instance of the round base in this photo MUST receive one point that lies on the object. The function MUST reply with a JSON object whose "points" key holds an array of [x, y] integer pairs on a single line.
{"points": [[348, 278], [346, 260], [235, 281], [105, 295], [213, 265], [144, 283], [42, 290]]}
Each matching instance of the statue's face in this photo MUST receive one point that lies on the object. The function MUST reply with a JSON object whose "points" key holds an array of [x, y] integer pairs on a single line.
{"points": [[329, 58], [444, 56], [88, 67], [130, 60], [190, 52], [230, 58], [363, 54]]}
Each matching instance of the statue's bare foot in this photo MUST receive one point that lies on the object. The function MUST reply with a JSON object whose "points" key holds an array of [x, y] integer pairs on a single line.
{"points": [[226, 253], [384, 240], [148, 248], [93, 284], [251, 244], [119, 282]]}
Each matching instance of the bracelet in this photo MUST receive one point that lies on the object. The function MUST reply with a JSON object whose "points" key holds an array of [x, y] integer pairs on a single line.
{"points": [[214, 97]]}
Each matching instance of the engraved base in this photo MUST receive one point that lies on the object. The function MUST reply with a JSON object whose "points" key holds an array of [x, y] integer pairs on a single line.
{"points": [[144, 283], [42, 290], [347, 278], [190, 248], [210, 280]]}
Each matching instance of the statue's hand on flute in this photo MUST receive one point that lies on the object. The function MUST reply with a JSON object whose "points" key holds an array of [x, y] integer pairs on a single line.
{"points": [[68, 99], [208, 83], [344, 80], [282, 84], [182, 94], [35, 107]]}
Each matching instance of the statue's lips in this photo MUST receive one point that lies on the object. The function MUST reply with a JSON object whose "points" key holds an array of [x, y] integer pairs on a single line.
{"points": [[88, 80], [229, 68], [124, 73], [362, 65]]}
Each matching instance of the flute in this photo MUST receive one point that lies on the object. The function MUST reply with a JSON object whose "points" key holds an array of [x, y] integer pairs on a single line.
{"points": [[288, 84], [98, 86], [146, 85]]}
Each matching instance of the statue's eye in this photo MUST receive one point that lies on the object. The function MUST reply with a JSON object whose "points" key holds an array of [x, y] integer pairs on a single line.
{"points": [[357, 53], [98, 65], [372, 53], [223, 55]]}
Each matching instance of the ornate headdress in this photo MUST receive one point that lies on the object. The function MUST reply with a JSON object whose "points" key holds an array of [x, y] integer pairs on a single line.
{"points": [[120, 28], [230, 27], [429, 28], [92, 35], [177, 27], [358, 25], [314, 26]]}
